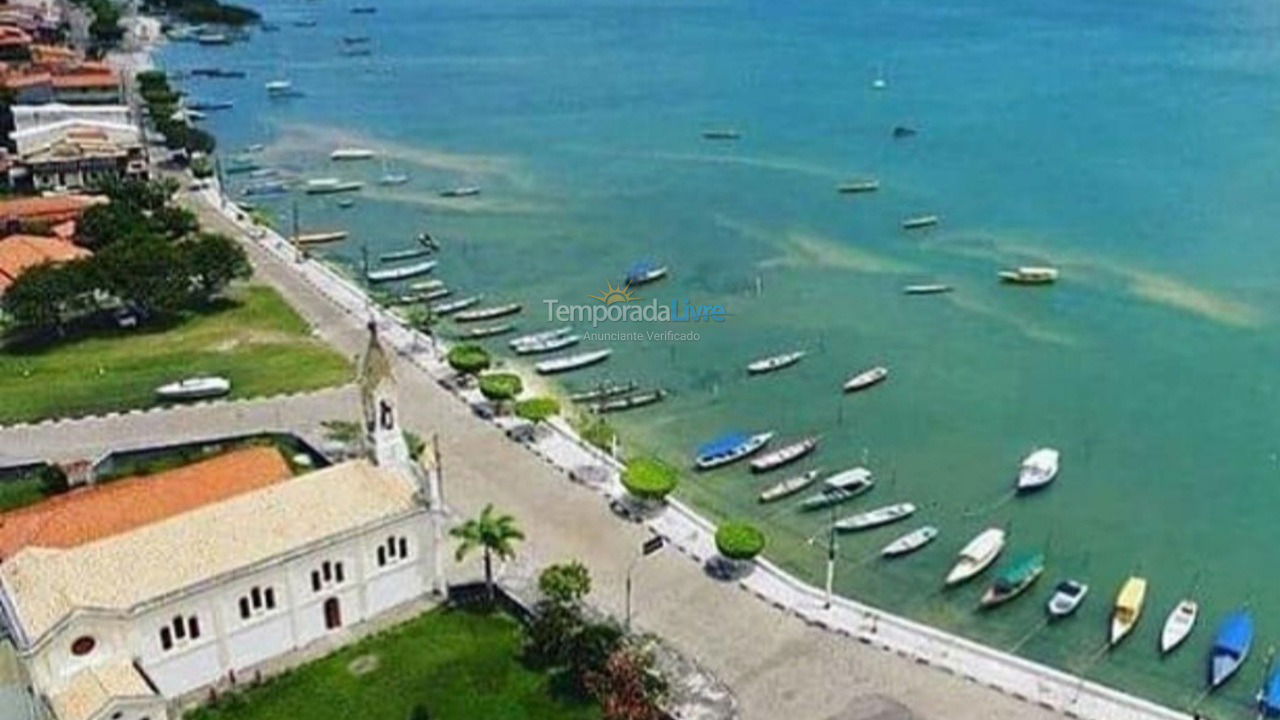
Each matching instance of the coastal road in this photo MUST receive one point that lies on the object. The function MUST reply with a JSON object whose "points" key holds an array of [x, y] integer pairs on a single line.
{"points": [[778, 666]]}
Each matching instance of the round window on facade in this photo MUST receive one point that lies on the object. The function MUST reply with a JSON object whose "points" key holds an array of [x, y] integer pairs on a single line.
{"points": [[83, 646]]}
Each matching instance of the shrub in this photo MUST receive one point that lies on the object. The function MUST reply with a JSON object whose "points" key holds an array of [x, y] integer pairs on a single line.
{"points": [[739, 540], [649, 479], [469, 359], [537, 409], [501, 386]]}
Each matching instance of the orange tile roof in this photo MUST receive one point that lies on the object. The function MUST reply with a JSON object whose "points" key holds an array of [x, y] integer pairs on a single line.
{"points": [[20, 79], [82, 516], [10, 35], [86, 80], [54, 208], [20, 253]]}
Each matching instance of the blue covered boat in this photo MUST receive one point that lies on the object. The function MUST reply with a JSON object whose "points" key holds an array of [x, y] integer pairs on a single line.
{"points": [[645, 272], [1269, 696], [729, 448], [1230, 647]]}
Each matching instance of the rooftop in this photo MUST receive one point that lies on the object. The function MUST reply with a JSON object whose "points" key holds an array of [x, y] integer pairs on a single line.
{"points": [[51, 208], [20, 253], [96, 512], [46, 585], [92, 688]]}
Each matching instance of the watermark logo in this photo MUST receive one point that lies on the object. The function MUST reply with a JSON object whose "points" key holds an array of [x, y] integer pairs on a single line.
{"points": [[620, 304], [612, 295]]}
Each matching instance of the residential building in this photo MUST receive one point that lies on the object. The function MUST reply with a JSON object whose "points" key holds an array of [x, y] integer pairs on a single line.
{"points": [[51, 210], [76, 154], [27, 117], [90, 83], [20, 253], [122, 607], [15, 44]]}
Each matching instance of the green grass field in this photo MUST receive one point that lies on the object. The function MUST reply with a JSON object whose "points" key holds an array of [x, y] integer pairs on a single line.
{"points": [[459, 665], [254, 338]]}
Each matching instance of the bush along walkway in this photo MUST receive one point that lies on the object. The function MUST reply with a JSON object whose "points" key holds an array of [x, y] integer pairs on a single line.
{"points": [[694, 536]]}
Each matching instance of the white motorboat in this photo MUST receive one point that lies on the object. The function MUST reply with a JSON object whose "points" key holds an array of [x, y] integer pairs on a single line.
{"points": [[858, 186], [485, 331], [920, 221], [977, 556], [1066, 597], [839, 488], [329, 185], [644, 273], [460, 192], [927, 289], [454, 306], [730, 448], [389, 179], [1038, 470], [866, 379], [876, 518], [1030, 275], [424, 285], [910, 542], [783, 455], [790, 486], [546, 345], [488, 313], [319, 238], [402, 272], [540, 336], [195, 388], [1179, 624], [565, 363], [279, 87], [775, 362], [352, 153]]}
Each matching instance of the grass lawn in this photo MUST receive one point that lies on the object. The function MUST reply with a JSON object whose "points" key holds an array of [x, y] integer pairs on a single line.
{"points": [[254, 338], [458, 664]]}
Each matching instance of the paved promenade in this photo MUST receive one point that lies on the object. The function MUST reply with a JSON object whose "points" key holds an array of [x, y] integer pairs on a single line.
{"points": [[767, 636]]}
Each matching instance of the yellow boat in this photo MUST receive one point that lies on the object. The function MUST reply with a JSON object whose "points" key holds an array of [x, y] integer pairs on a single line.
{"points": [[318, 238], [1128, 608]]}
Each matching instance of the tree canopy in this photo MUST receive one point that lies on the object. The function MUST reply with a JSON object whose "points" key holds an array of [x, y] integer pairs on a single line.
{"points": [[501, 387], [739, 540], [649, 478], [469, 359], [538, 409], [493, 534], [565, 583]]}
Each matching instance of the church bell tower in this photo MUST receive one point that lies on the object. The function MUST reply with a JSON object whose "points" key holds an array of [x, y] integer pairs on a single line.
{"points": [[384, 438]]}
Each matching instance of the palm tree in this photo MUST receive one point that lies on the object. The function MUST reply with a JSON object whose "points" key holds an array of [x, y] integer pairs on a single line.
{"points": [[494, 534]]}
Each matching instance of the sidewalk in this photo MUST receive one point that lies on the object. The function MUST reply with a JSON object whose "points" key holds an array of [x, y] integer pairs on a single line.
{"points": [[775, 644]]}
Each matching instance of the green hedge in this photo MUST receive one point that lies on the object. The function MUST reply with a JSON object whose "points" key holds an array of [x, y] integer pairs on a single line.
{"points": [[739, 540], [469, 359], [649, 478], [538, 409], [501, 386]]}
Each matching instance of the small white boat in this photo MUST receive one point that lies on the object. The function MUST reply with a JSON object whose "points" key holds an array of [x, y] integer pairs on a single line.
{"points": [[565, 363], [279, 87], [406, 254], [630, 402], [352, 153], [776, 362], [927, 289], [730, 448], [783, 455], [721, 134], [328, 185], [1179, 624], [866, 379], [401, 273], [977, 556], [488, 313], [920, 221], [858, 186], [195, 388], [547, 345], [645, 272], [1030, 275], [485, 331], [319, 238], [790, 486], [839, 488], [390, 179], [454, 306], [910, 542], [876, 518], [1066, 598], [539, 336], [460, 192], [1038, 470], [213, 38], [425, 285]]}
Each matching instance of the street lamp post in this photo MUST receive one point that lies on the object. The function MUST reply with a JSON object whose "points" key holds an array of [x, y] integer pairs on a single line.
{"points": [[650, 546]]}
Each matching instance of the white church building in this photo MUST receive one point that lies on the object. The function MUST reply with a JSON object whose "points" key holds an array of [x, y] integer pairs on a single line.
{"points": [[117, 627]]}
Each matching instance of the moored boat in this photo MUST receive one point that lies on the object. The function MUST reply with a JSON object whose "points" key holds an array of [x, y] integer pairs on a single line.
{"points": [[604, 390], [977, 556], [920, 221], [729, 448], [902, 131], [546, 345], [402, 272], [488, 313], [858, 186], [407, 254], [279, 87], [1066, 598], [927, 289], [1269, 695], [784, 455], [1030, 275], [393, 178], [485, 331], [866, 379], [460, 192], [194, 388], [1128, 609], [1230, 647], [876, 518], [839, 488], [566, 363], [910, 542], [721, 134], [790, 486], [423, 285], [1014, 578], [454, 306], [320, 238], [1178, 625], [1038, 469], [352, 153], [775, 362], [630, 402], [539, 336], [645, 272], [329, 185]]}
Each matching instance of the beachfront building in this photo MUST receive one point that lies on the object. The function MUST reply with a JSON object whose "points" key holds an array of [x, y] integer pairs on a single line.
{"points": [[28, 117], [88, 83], [124, 597], [76, 153]]}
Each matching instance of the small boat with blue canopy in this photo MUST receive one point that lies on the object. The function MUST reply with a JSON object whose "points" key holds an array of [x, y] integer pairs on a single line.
{"points": [[1230, 647], [1269, 695], [729, 448], [645, 272]]}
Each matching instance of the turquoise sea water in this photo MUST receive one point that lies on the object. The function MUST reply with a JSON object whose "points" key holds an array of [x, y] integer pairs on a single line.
{"points": [[1132, 145]]}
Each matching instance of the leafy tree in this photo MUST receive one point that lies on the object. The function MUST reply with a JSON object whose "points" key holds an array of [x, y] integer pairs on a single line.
{"points": [[419, 712], [500, 387], [212, 262], [649, 479], [39, 297], [174, 222], [739, 541], [148, 273], [103, 225], [591, 649], [565, 583], [628, 687], [469, 359], [494, 535], [551, 633], [539, 409]]}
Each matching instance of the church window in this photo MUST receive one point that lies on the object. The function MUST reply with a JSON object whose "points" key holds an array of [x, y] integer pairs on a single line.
{"points": [[270, 595], [193, 627], [244, 608], [382, 556], [337, 572], [315, 580], [166, 639]]}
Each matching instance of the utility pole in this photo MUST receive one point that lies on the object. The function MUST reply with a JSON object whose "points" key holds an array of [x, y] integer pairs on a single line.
{"points": [[831, 558], [650, 546]]}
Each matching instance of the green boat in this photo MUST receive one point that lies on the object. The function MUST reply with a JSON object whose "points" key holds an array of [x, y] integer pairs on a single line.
{"points": [[1016, 576]]}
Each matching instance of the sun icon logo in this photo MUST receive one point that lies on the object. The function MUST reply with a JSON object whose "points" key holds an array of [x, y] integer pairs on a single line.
{"points": [[613, 294]]}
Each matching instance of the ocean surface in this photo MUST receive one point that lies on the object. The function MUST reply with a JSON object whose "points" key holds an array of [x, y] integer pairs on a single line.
{"points": [[1135, 146]]}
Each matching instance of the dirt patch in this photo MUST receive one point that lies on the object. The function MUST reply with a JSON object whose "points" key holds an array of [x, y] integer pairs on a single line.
{"points": [[363, 665]]}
